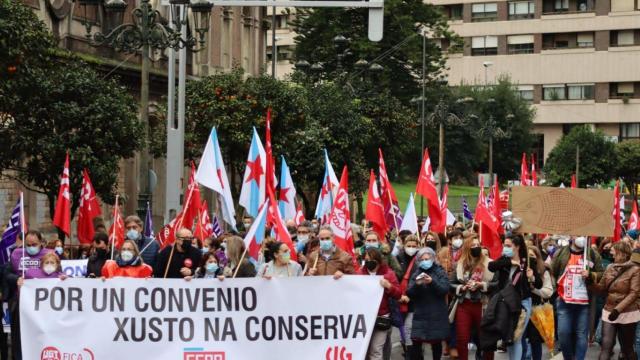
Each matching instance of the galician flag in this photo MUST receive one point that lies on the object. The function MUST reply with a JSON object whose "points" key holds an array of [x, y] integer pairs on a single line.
{"points": [[212, 174], [254, 237], [253, 192], [327, 193], [287, 196]]}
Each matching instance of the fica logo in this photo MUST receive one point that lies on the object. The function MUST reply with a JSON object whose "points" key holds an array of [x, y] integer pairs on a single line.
{"points": [[200, 354]]}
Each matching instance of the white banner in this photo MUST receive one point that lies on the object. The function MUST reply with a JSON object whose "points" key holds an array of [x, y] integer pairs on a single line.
{"points": [[235, 319], [74, 268]]}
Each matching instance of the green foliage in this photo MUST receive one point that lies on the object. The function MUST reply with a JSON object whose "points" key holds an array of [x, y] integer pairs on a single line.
{"points": [[316, 29], [597, 158], [628, 160]]}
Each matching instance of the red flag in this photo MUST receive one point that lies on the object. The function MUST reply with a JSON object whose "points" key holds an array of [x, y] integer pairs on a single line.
{"points": [[633, 218], [340, 220], [192, 202], [116, 230], [375, 208], [534, 174], [427, 188], [524, 171], [299, 219], [496, 205], [167, 235], [388, 196], [617, 228], [574, 181], [62, 215], [443, 209], [274, 218], [89, 209], [270, 167], [204, 227], [489, 224]]}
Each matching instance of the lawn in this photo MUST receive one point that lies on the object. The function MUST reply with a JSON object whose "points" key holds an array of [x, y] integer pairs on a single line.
{"points": [[456, 192]]}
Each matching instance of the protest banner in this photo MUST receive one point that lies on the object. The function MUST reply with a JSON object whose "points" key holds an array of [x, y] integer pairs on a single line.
{"points": [[123, 318], [74, 268], [550, 210]]}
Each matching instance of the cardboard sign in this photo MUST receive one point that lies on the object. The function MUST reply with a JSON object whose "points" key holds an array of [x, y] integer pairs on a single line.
{"points": [[550, 210]]}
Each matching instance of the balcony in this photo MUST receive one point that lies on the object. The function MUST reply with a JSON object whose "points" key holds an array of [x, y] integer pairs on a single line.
{"points": [[564, 41], [561, 7]]}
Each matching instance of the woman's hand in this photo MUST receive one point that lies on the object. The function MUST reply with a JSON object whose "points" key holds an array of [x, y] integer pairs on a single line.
{"points": [[103, 278], [63, 277], [385, 283], [185, 271], [268, 277], [530, 274], [221, 277], [188, 278], [404, 299], [338, 275], [20, 281]]}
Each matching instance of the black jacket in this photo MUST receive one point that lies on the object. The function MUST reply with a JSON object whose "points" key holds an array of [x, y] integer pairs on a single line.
{"points": [[500, 318], [95, 264], [431, 315], [178, 261], [502, 267]]}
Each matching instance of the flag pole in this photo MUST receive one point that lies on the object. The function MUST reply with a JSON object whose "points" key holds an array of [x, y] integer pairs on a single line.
{"points": [[393, 211], [113, 234], [244, 253], [23, 225]]}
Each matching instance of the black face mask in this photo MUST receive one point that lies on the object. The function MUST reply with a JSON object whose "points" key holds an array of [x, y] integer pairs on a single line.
{"points": [[101, 253], [533, 262], [476, 251], [186, 245], [371, 264], [432, 244]]}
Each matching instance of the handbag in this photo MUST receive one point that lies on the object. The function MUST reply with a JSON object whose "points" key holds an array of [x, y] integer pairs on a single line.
{"points": [[383, 323], [452, 310]]}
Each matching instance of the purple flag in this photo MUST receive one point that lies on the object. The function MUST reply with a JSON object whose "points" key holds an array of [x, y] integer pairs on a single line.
{"points": [[148, 223], [10, 234], [217, 230]]}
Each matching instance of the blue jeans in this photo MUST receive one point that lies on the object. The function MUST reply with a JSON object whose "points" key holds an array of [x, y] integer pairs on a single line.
{"points": [[638, 342], [515, 350], [573, 329]]}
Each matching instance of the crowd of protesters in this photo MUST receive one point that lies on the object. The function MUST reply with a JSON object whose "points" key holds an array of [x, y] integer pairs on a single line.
{"points": [[440, 290]]}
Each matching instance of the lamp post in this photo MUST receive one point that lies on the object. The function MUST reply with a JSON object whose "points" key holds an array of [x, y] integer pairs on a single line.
{"points": [[490, 130], [147, 34]]}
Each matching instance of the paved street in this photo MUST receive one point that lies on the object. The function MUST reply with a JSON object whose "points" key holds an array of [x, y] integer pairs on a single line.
{"points": [[396, 353]]}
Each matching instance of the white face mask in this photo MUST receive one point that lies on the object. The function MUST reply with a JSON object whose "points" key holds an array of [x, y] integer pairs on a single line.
{"points": [[49, 269], [126, 255], [580, 242], [303, 238], [563, 242], [457, 243], [410, 251]]}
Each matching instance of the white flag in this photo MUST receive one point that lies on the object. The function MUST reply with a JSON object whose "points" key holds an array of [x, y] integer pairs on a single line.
{"points": [[410, 220]]}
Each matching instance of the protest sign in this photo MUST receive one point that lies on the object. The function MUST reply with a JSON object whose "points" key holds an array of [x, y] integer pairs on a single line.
{"points": [[123, 318], [549, 210], [74, 268]]}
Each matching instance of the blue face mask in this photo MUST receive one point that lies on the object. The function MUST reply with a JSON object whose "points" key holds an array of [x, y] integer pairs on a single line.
{"points": [[204, 250], [426, 264], [372, 245], [133, 234], [59, 250], [33, 250], [326, 245], [212, 267], [508, 252]]}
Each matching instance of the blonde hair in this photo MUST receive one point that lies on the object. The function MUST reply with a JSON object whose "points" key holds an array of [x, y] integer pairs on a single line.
{"points": [[235, 248], [55, 258], [469, 262], [136, 251]]}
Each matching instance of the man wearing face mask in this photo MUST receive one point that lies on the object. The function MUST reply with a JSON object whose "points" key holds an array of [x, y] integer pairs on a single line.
{"points": [[572, 305], [329, 259], [148, 247], [100, 255], [180, 259]]}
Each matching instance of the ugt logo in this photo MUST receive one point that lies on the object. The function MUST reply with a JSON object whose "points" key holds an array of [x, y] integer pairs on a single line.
{"points": [[200, 354], [338, 353]]}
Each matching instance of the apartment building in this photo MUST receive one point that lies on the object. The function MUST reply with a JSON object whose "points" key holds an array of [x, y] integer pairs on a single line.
{"points": [[285, 43], [576, 61]]}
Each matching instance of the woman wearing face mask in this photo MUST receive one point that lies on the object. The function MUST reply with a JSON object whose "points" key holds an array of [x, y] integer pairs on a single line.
{"points": [[621, 284], [235, 267], [448, 255], [512, 268], [374, 265], [217, 246], [49, 269], [427, 289], [57, 247], [281, 265], [538, 297], [209, 268], [470, 284], [128, 263], [432, 240], [407, 261]]}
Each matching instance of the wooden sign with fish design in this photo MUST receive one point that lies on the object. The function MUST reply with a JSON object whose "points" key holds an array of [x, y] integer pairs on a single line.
{"points": [[549, 210]]}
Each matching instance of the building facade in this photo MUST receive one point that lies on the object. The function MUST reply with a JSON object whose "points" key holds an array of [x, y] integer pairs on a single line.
{"points": [[236, 38], [574, 60], [285, 42]]}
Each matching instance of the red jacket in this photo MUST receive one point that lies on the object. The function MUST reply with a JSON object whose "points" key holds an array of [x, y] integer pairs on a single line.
{"points": [[393, 292], [111, 269]]}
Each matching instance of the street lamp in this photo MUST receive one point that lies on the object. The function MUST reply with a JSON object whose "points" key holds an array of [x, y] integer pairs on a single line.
{"points": [[341, 44], [147, 34], [490, 130], [486, 65]]}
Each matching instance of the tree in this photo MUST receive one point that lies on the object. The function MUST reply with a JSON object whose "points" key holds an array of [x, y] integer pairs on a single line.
{"points": [[316, 29], [628, 159], [66, 106], [597, 158]]}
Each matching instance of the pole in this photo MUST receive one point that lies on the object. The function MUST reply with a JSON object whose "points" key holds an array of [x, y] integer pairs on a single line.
{"points": [[113, 235], [172, 176], [441, 158], [424, 77], [486, 81], [578, 166], [143, 165], [23, 225], [490, 160], [274, 49]]}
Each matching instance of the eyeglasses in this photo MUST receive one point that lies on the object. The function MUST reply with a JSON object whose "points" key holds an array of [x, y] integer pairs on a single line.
{"points": [[186, 238], [325, 239]]}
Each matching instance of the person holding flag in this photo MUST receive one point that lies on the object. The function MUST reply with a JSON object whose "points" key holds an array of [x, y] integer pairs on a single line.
{"points": [[148, 246], [128, 263], [238, 266], [281, 265], [329, 259], [180, 259]]}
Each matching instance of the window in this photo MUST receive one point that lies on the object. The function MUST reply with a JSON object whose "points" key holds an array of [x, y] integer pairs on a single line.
{"points": [[520, 44], [629, 131], [561, 5], [522, 10], [624, 90], [585, 40], [282, 22], [526, 92], [484, 45], [580, 91], [484, 12], [453, 12], [622, 5], [625, 38], [553, 92]]}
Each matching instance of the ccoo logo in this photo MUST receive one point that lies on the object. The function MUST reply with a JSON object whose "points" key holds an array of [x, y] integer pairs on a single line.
{"points": [[338, 353]]}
